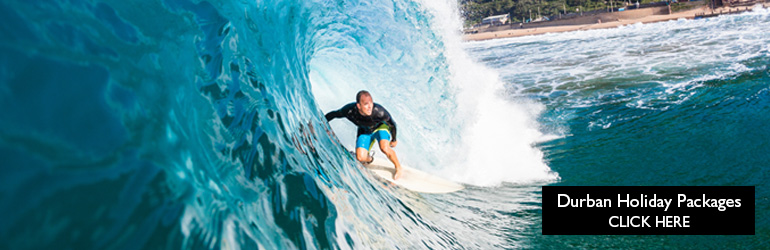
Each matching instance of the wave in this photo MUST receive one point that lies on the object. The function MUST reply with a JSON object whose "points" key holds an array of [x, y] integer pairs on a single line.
{"points": [[200, 123]]}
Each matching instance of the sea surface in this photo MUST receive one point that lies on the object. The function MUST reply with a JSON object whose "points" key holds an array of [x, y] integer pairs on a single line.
{"points": [[200, 124]]}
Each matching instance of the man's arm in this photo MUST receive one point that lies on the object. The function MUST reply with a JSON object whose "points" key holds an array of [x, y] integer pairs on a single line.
{"points": [[334, 114], [393, 142], [338, 113], [392, 124]]}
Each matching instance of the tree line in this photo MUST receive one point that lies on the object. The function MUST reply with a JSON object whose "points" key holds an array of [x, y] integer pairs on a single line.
{"points": [[529, 10]]}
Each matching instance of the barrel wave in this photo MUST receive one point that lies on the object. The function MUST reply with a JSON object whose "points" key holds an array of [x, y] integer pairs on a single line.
{"points": [[199, 124]]}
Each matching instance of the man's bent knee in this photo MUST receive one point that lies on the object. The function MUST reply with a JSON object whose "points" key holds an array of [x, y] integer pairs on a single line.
{"points": [[362, 154]]}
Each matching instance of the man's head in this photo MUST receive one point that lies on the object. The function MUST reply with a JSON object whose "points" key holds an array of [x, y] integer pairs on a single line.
{"points": [[364, 103]]}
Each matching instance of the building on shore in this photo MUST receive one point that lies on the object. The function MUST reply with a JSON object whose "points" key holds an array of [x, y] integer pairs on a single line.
{"points": [[734, 3], [496, 20]]}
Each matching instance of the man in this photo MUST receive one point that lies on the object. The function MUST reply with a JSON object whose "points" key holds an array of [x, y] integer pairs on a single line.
{"points": [[374, 125]]}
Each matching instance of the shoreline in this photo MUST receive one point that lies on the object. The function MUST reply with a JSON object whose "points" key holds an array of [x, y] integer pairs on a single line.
{"points": [[689, 14]]}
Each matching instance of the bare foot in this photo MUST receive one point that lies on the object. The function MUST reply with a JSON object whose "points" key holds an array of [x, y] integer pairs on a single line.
{"points": [[397, 174]]}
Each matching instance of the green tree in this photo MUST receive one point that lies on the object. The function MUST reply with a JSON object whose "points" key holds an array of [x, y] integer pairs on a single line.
{"points": [[475, 10]]}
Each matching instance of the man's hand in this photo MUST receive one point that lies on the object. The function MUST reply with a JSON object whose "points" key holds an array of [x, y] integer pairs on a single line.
{"points": [[393, 144]]}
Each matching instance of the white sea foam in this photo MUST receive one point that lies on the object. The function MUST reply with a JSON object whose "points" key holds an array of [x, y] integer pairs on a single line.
{"points": [[497, 134], [591, 65]]}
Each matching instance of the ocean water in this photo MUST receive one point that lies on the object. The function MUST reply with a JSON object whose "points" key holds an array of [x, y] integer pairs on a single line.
{"points": [[199, 124], [679, 103]]}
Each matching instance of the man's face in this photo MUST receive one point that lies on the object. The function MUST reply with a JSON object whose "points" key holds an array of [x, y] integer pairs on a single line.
{"points": [[365, 106]]}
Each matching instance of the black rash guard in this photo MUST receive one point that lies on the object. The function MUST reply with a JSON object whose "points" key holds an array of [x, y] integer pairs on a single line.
{"points": [[366, 124]]}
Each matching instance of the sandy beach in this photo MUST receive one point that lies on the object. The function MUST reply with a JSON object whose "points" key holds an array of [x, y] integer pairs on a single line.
{"points": [[689, 14]]}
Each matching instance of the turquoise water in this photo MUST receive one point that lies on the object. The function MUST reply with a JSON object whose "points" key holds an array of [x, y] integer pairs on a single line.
{"points": [[199, 124], [681, 103]]}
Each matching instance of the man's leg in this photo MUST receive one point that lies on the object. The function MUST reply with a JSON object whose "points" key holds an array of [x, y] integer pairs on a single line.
{"points": [[362, 155], [363, 144], [388, 151]]}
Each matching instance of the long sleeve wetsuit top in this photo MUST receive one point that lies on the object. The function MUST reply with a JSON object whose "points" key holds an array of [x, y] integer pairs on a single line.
{"points": [[366, 124]]}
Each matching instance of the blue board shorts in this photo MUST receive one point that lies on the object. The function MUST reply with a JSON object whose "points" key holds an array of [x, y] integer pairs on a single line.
{"points": [[367, 140]]}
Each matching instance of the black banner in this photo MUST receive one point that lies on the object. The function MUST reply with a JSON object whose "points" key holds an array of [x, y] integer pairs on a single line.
{"points": [[655, 210]]}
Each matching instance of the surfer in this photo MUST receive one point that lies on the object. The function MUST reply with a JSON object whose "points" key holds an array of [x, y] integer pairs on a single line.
{"points": [[374, 125]]}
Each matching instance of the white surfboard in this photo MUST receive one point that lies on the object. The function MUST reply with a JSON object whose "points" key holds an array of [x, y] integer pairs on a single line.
{"points": [[411, 178]]}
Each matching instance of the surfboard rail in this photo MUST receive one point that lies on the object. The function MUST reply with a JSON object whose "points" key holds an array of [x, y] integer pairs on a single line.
{"points": [[412, 179]]}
